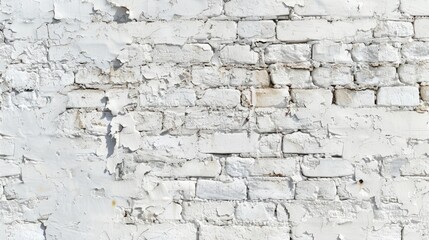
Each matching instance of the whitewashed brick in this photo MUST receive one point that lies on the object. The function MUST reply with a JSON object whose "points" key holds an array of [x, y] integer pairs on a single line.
{"points": [[255, 212], [415, 7], [216, 120], [311, 97], [8, 169], [326, 167], [274, 189], [172, 98], [220, 98], [305, 143], [398, 96], [148, 121], [335, 9], [216, 190], [271, 97], [394, 29], [221, 30], [321, 29], [209, 232], [7, 147], [313, 190], [216, 212], [287, 53], [85, 99], [296, 78], [209, 76], [421, 26], [228, 143], [244, 77], [414, 73], [375, 53], [424, 93], [244, 167], [332, 52], [238, 54], [376, 76], [189, 53], [257, 30], [255, 8], [416, 51], [191, 168], [333, 75], [350, 98]]}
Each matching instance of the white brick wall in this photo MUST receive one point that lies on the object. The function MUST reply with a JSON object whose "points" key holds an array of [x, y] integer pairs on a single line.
{"points": [[214, 119]]}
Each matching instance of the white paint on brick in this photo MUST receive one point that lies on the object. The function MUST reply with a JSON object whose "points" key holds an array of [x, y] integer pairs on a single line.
{"points": [[398, 96], [213, 119]]}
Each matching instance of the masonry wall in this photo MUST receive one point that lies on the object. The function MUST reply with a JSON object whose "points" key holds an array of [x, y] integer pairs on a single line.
{"points": [[214, 120]]}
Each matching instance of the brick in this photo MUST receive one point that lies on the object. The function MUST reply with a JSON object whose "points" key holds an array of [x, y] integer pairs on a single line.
{"points": [[245, 77], [166, 145], [19, 79], [274, 189], [210, 76], [421, 26], [179, 190], [287, 53], [216, 190], [85, 99], [332, 76], [376, 76], [228, 143], [424, 93], [311, 97], [221, 30], [414, 167], [148, 121], [191, 168], [189, 53], [414, 73], [255, 212], [332, 52], [415, 7], [245, 167], [350, 98], [136, 55], [326, 167], [335, 9], [321, 29], [8, 169], [238, 54], [213, 212], [209, 232], [216, 120], [228, 98], [255, 8], [416, 51], [257, 30], [314, 190], [269, 146], [304, 143], [375, 53], [394, 29], [296, 78], [7, 147], [172, 98], [271, 97], [90, 76], [168, 11], [398, 96]]}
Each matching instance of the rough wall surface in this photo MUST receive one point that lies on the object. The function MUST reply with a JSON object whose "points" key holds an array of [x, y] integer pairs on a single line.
{"points": [[214, 120]]}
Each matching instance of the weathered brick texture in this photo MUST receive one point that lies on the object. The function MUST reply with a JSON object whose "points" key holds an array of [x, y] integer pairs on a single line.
{"points": [[214, 119]]}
